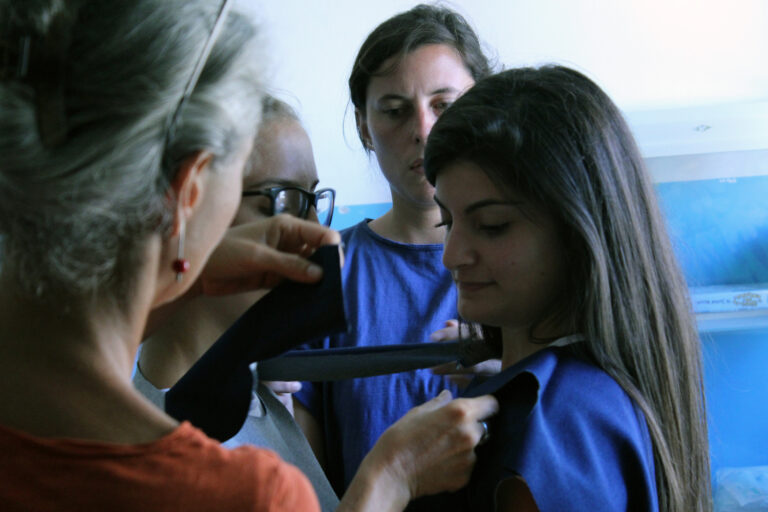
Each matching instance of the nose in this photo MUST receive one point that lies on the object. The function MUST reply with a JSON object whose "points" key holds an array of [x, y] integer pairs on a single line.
{"points": [[312, 214], [423, 121], [457, 251]]}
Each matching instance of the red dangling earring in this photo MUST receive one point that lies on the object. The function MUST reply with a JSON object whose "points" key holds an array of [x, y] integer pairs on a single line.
{"points": [[180, 264]]}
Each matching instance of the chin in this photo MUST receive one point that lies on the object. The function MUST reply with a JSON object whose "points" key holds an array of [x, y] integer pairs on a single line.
{"points": [[480, 315]]}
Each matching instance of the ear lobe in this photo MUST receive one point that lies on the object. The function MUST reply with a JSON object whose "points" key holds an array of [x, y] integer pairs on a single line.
{"points": [[362, 129], [188, 186]]}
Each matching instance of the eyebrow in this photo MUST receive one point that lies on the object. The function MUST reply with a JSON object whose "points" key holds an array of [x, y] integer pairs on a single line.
{"points": [[277, 182], [393, 96], [481, 204]]}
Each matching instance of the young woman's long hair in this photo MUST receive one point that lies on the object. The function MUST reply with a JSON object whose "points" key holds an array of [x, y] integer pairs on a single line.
{"points": [[553, 136]]}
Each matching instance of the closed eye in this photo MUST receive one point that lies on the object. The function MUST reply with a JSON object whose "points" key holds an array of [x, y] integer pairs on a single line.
{"points": [[492, 230], [393, 112]]}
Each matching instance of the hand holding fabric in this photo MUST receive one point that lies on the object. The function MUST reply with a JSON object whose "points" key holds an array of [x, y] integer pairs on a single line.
{"points": [[263, 253], [461, 375], [429, 450]]}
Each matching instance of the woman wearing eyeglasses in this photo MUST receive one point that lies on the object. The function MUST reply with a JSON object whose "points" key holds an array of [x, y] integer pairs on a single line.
{"points": [[280, 177], [124, 130]]}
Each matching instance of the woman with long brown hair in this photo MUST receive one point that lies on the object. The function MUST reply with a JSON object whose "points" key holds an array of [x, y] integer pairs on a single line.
{"points": [[558, 248]]}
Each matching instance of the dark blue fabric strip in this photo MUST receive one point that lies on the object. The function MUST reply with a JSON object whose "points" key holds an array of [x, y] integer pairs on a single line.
{"points": [[354, 362], [215, 394]]}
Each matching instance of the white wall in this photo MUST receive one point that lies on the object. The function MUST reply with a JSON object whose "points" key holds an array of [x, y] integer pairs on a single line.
{"points": [[649, 55]]}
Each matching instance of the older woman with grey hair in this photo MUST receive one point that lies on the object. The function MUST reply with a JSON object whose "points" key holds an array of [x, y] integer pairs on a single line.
{"points": [[125, 127]]}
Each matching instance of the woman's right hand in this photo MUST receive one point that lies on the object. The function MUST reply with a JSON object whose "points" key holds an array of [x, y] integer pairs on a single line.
{"points": [[262, 253], [429, 450]]}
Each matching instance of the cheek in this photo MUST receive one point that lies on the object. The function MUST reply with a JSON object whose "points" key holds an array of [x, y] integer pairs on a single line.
{"points": [[227, 199], [247, 213], [385, 134], [529, 268]]}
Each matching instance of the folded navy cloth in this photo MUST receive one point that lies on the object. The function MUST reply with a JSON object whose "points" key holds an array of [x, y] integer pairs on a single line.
{"points": [[215, 394], [355, 362]]}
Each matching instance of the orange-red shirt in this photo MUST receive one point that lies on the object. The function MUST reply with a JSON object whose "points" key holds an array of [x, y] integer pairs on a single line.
{"points": [[184, 471]]}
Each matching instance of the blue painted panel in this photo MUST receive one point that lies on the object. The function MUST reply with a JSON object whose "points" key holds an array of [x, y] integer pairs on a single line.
{"points": [[737, 397], [345, 216], [719, 228]]}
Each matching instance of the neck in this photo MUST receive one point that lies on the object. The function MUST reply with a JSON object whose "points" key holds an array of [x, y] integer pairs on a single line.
{"points": [[410, 223], [519, 342], [183, 338], [66, 366], [516, 346], [71, 333]]}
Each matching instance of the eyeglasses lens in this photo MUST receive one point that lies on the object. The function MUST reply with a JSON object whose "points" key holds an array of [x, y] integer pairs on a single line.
{"points": [[291, 201], [324, 207], [260, 204]]}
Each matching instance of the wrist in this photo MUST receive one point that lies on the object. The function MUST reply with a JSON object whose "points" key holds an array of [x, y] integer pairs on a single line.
{"points": [[377, 486]]}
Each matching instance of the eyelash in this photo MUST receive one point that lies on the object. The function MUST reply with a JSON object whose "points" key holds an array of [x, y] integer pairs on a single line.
{"points": [[492, 230], [440, 107], [393, 112]]}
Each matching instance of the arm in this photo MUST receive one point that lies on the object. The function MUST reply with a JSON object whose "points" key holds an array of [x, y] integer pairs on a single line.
{"points": [[430, 450], [312, 431]]}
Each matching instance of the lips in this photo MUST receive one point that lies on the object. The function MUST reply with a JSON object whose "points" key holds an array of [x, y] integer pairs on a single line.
{"points": [[417, 164], [472, 286]]}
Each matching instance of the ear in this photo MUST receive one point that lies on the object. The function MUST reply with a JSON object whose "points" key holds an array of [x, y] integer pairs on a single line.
{"points": [[188, 186], [362, 130]]}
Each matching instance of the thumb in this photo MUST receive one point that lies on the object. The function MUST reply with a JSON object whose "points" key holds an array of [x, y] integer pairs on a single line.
{"points": [[440, 400]]}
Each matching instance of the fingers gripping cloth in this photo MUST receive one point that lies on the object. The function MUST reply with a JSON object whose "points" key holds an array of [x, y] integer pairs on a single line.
{"points": [[215, 394]]}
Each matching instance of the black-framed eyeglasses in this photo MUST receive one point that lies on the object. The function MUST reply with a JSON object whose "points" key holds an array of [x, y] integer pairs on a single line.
{"points": [[296, 201]]}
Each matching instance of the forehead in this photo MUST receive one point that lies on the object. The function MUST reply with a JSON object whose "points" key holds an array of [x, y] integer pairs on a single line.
{"points": [[429, 67], [463, 182], [282, 153]]}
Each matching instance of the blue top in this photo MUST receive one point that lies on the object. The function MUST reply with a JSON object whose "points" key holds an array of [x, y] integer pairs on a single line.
{"points": [[394, 293], [572, 433]]}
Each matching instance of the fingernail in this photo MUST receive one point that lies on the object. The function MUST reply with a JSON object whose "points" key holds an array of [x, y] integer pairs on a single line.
{"points": [[314, 271]]}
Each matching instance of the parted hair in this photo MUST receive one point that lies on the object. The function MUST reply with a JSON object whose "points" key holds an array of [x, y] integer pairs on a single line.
{"points": [[77, 210], [554, 137], [407, 31]]}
